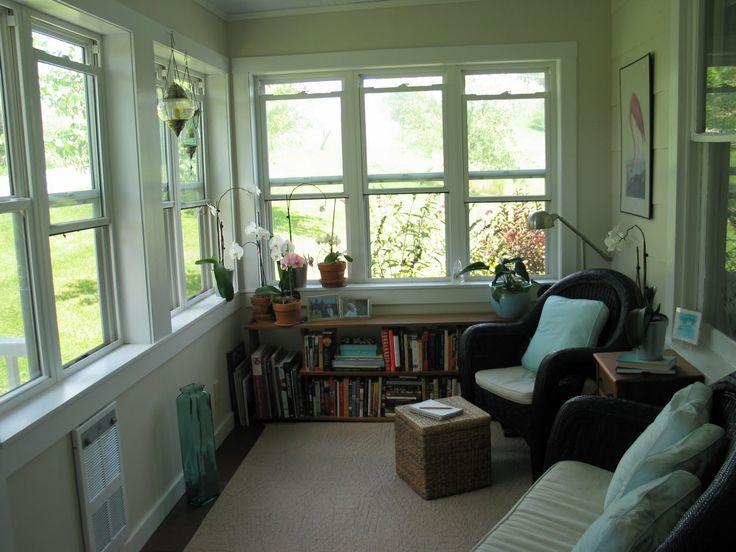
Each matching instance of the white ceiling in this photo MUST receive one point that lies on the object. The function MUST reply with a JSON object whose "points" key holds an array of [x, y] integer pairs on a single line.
{"points": [[240, 7]]}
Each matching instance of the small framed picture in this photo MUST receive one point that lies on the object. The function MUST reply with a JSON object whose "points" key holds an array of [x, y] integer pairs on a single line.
{"points": [[353, 307], [687, 325], [323, 307]]}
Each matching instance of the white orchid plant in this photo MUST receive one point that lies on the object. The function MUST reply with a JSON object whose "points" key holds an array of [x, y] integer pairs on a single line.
{"points": [[638, 320]]}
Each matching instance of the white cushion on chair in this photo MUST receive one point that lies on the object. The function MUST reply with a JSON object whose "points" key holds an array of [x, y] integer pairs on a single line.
{"points": [[515, 384]]}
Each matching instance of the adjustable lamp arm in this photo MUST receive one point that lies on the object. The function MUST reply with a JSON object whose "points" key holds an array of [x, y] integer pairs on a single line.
{"points": [[580, 235]]}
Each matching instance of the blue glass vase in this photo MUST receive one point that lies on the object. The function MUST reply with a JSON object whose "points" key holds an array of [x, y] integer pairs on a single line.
{"points": [[197, 437]]}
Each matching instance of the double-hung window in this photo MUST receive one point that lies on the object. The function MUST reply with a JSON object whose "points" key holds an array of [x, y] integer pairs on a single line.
{"points": [[184, 193], [430, 166], [68, 76]]}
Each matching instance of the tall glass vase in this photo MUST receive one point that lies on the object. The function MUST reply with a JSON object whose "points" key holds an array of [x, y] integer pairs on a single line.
{"points": [[197, 437]]}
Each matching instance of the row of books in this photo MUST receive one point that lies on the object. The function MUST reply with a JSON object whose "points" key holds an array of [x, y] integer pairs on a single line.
{"points": [[428, 350], [319, 348], [371, 397], [276, 382]]}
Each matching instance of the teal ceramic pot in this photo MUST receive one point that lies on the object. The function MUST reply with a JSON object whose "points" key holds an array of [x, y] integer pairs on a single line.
{"points": [[510, 305]]}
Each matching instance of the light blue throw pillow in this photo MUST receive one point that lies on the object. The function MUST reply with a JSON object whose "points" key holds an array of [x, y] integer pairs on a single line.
{"points": [[642, 519], [565, 324], [687, 411]]}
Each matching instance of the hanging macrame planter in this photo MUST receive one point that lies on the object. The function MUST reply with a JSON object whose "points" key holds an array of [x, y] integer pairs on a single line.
{"points": [[189, 139]]}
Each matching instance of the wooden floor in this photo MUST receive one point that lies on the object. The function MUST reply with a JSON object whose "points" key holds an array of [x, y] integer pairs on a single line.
{"points": [[182, 522]]}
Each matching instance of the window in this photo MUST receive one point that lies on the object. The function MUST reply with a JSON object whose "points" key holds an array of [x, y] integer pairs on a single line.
{"points": [[184, 193], [53, 315], [715, 144], [429, 166]]}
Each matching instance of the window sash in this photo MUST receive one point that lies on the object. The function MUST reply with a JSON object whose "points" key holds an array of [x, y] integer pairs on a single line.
{"points": [[455, 177]]}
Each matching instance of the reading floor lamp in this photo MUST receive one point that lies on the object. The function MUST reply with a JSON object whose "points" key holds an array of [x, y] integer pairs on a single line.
{"points": [[541, 220]]}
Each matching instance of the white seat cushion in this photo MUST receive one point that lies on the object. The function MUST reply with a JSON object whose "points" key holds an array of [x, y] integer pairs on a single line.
{"points": [[514, 384], [554, 513]]}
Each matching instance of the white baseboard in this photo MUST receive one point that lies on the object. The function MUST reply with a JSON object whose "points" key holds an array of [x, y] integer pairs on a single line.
{"points": [[158, 512]]}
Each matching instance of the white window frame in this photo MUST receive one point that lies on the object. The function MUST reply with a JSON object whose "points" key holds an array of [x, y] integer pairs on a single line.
{"points": [[28, 157], [558, 59], [174, 206]]}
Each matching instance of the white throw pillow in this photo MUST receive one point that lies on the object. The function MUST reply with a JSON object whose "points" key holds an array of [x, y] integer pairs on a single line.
{"points": [[565, 324], [687, 411], [642, 519]]}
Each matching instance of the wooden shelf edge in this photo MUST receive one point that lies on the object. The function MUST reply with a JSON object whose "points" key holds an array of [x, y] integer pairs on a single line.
{"points": [[367, 374], [364, 419], [388, 320]]}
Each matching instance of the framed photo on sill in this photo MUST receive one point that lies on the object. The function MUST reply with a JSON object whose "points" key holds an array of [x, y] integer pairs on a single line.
{"points": [[635, 103], [353, 307], [323, 307], [687, 325]]}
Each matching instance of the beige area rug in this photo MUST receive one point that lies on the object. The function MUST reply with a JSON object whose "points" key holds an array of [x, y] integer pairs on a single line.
{"points": [[333, 487]]}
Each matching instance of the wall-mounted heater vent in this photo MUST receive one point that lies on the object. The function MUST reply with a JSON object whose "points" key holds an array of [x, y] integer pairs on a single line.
{"points": [[100, 481]]}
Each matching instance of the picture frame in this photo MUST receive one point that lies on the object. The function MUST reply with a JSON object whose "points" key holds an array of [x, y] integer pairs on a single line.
{"points": [[355, 307], [636, 123], [686, 326], [323, 307]]}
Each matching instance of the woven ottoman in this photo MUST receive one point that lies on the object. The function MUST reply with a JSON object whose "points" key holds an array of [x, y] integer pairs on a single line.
{"points": [[440, 458]]}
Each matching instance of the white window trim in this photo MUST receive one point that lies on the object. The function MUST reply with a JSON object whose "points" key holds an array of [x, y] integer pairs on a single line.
{"points": [[563, 249], [715, 353]]}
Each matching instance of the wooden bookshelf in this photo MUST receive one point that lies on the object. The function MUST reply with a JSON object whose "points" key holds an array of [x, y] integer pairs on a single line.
{"points": [[370, 374], [387, 320]]}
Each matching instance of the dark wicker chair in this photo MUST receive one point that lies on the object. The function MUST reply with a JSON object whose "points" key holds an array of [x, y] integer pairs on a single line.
{"points": [[562, 374], [598, 431]]}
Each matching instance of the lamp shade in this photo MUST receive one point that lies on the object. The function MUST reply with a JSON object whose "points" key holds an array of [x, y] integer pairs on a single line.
{"points": [[175, 108], [540, 220]]}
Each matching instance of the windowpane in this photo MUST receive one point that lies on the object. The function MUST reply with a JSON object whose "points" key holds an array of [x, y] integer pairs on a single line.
{"points": [[506, 135], [404, 132], [720, 67], [394, 82], [162, 130], [63, 212], [304, 138], [507, 187], [407, 236], [313, 87], [191, 183], [66, 130], [74, 263], [5, 187], [193, 249], [406, 185], [499, 230], [505, 83], [311, 222], [58, 47], [171, 254], [16, 328]]}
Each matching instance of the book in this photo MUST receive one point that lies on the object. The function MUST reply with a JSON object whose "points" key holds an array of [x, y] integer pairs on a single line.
{"points": [[630, 360], [436, 410]]}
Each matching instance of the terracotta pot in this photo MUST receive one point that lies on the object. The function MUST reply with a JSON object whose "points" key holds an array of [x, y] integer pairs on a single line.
{"points": [[333, 274], [261, 308], [288, 314]]}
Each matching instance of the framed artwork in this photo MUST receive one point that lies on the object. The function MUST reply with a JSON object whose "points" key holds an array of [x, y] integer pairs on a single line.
{"points": [[635, 102], [687, 325], [352, 307], [323, 307]]}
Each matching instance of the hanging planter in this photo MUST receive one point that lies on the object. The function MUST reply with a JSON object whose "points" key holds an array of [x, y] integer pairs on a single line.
{"points": [[189, 139], [177, 106]]}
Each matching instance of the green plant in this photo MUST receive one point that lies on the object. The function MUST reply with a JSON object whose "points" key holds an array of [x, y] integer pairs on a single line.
{"points": [[510, 276], [332, 241]]}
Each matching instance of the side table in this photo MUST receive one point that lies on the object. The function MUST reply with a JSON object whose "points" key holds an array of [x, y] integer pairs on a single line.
{"points": [[655, 389]]}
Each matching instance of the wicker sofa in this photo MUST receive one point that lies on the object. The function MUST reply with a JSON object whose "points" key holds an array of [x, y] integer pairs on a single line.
{"points": [[518, 400], [588, 439]]}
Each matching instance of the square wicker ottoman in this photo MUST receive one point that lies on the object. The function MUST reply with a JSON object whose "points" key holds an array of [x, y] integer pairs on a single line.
{"points": [[441, 458]]}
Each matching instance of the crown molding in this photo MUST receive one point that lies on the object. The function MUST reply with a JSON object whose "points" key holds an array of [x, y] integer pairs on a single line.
{"points": [[376, 4]]}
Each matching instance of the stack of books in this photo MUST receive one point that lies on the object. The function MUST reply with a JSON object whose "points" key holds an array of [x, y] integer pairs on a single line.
{"points": [[628, 363], [428, 350], [344, 397], [358, 362], [319, 348]]}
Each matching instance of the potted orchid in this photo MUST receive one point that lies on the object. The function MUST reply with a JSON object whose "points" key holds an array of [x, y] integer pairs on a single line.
{"points": [[332, 269], [287, 305], [261, 300], [224, 264], [646, 327]]}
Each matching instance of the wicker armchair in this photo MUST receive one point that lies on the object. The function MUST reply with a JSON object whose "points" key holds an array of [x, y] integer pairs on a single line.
{"points": [[598, 431], [561, 375]]}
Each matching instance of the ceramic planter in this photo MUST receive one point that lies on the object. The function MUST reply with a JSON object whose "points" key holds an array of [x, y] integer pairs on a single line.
{"points": [[652, 344], [332, 274], [261, 308], [288, 314], [300, 277], [509, 305]]}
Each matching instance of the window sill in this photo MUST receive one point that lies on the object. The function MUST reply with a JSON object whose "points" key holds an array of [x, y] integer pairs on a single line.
{"points": [[57, 410]]}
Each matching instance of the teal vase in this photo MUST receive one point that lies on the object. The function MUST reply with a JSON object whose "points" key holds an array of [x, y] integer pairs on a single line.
{"points": [[197, 437]]}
